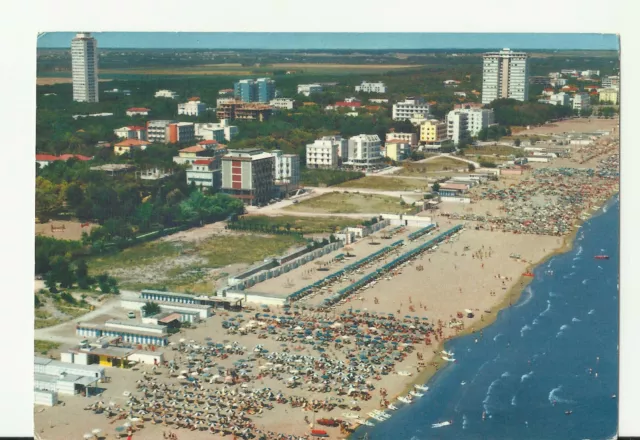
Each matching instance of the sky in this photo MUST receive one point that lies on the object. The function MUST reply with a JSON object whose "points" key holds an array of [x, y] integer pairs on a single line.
{"points": [[283, 40]]}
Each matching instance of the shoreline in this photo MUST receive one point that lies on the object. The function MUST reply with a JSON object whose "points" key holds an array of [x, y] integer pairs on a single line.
{"points": [[508, 300]]}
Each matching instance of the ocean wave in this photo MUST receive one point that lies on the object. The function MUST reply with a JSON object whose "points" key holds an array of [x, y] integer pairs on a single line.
{"points": [[559, 334], [513, 401], [545, 311], [487, 397], [553, 295], [575, 320], [585, 281], [464, 421], [564, 327], [495, 338], [505, 374], [528, 298], [535, 321], [553, 396], [600, 267], [524, 329], [591, 312], [579, 250], [526, 376]]}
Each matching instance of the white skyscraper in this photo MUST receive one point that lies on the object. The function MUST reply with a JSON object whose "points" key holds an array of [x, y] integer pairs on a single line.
{"points": [[84, 67], [505, 75]]}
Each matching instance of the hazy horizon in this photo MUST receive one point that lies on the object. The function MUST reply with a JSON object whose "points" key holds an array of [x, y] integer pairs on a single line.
{"points": [[336, 41]]}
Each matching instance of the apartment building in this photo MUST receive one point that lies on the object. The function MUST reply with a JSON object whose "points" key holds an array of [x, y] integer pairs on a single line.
{"points": [[248, 175], [283, 103], [581, 101], [410, 138], [326, 152], [478, 118], [505, 75], [131, 132], [371, 87], [170, 132], [589, 73], [397, 150], [433, 131], [255, 90], [406, 109], [192, 108], [216, 131], [309, 89], [364, 151], [128, 146], [166, 94], [286, 168], [204, 174], [84, 67], [191, 154], [233, 110], [457, 126], [609, 82], [610, 96]]}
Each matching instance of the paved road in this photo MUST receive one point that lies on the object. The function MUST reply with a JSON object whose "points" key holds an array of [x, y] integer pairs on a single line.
{"points": [[51, 333], [450, 156]]}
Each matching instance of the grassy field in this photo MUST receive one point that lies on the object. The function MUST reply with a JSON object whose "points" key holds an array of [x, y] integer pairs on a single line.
{"points": [[385, 183], [190, 265], [43, 347], [500, 150], [304, 225], [45, 319], [434, 165], [342, 203]]}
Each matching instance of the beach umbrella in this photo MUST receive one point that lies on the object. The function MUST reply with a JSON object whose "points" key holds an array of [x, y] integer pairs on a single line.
{"points": [[88, 435]]}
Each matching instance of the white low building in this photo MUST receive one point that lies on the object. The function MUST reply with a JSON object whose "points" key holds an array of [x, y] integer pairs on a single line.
{"points": [[478, 118], [408, 108], [192, 108], [212, 131], [371, 87], [309, 89], [287, 168], [166, 94], [138, 111], [282, 103]]}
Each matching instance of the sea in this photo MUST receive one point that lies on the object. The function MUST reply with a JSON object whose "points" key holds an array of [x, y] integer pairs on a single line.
{"points": [[555, 350]]}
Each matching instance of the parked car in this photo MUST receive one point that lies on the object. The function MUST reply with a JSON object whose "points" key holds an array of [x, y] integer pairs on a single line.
{"points": [[131, 315]]}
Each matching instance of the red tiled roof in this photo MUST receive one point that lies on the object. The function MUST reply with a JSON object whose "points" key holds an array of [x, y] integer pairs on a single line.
{"points": [[194, 98], [46, 157], [131, 143], [76, 156], [347, 104], [138, 109], [194, 149], [203, 161], [167, 319], [208, 142], [51, 157], [136, 127]]}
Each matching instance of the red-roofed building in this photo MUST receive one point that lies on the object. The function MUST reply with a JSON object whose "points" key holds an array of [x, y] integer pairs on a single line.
{"points": [[351, 105], [46, 159], [208, 143], [548, 92], [569, 89], [194, 98], [138, 111], [129, 145]]}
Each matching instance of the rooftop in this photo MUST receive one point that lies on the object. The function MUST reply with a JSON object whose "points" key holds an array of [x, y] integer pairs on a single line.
{"points": [[132, 143], [193, 149], [113, 167], [138, 109]]}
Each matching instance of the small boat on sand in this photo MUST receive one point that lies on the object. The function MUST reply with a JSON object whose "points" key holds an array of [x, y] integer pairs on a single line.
{"points": [[350, 415], [421, 387], [319, 433], [447, 353], [448, 359], [392, 407], [416, 394], [528, 274], [405, 399]]}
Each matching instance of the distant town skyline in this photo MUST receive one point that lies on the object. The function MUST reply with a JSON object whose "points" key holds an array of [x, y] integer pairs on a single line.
{"points": [[337, 41]]}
